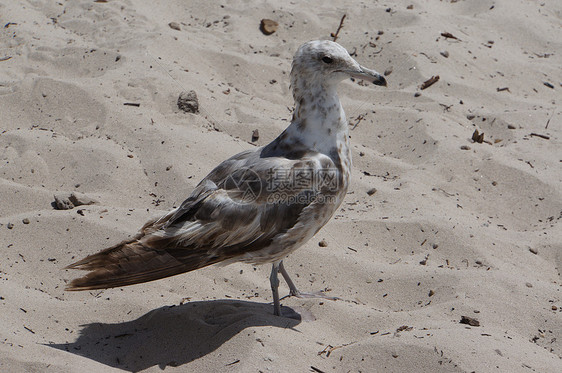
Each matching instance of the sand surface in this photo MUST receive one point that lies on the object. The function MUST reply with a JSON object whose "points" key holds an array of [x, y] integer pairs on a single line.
{"points": [[450, 227]]}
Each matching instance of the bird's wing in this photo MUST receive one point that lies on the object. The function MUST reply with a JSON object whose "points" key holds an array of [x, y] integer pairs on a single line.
{"points": [[243, 206]]}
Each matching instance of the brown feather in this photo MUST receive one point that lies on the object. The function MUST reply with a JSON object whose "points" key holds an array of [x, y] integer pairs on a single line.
{"points": [[132, 263]]}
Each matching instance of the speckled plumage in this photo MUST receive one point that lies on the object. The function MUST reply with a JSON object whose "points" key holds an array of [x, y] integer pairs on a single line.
{"points": [[249, 209]]}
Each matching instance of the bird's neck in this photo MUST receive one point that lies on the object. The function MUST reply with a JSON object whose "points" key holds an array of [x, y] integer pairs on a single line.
{"points": [[319, 125], [319, 122]]}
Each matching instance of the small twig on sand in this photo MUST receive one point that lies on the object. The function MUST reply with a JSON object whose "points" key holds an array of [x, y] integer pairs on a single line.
{"points": [[335, 35], [448, 35], [359, 119], [541, 136], [429, 82], [329, 349], [548, 121]]}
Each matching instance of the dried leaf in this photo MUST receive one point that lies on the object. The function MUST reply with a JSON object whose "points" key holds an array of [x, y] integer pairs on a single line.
{"points": [[268, 26]]}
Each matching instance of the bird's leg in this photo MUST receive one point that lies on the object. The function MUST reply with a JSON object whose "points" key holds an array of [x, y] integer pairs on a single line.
{"points": [[293, 289], [274, 280]]}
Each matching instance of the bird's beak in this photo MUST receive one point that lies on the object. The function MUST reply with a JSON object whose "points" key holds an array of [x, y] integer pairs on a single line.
{"points": [[369, 75]]}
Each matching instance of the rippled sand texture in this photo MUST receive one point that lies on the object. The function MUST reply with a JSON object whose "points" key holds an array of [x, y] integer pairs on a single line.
{"points": [[435, 226]]}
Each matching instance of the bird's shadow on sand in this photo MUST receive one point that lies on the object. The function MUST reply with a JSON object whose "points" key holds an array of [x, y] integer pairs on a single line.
{"points": [[175, 335]]}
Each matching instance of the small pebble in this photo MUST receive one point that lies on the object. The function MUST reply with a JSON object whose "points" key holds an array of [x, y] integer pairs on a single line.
{"points": [[445, 54], [372, 191], [534, 250], [188, 102], [554, 308], [79, 199], [528, 284], [255, 135], [175, 26], [323, 243], [66, 201], [10, 225], [25, 221], [465, 147], [469, 321], [62, 202]]}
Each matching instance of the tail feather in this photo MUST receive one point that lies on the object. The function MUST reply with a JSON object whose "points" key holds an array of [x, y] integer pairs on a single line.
{"points": [[132, 263]]}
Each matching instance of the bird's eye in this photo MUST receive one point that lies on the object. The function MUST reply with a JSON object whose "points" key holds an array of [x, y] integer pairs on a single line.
{"points": [[327, 59]]}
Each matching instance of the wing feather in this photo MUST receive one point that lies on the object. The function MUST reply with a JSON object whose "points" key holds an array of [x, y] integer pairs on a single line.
{"points": [[230, 216]]}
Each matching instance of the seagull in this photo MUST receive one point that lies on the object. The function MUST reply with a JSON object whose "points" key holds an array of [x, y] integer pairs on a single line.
{"points": [[260, 205]]}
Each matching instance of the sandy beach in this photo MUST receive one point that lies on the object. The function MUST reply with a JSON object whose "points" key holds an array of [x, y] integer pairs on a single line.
{"points": [[446, 252]]}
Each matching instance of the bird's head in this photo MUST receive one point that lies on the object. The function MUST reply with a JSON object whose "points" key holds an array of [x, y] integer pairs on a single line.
{"points": [[327, 63]]}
